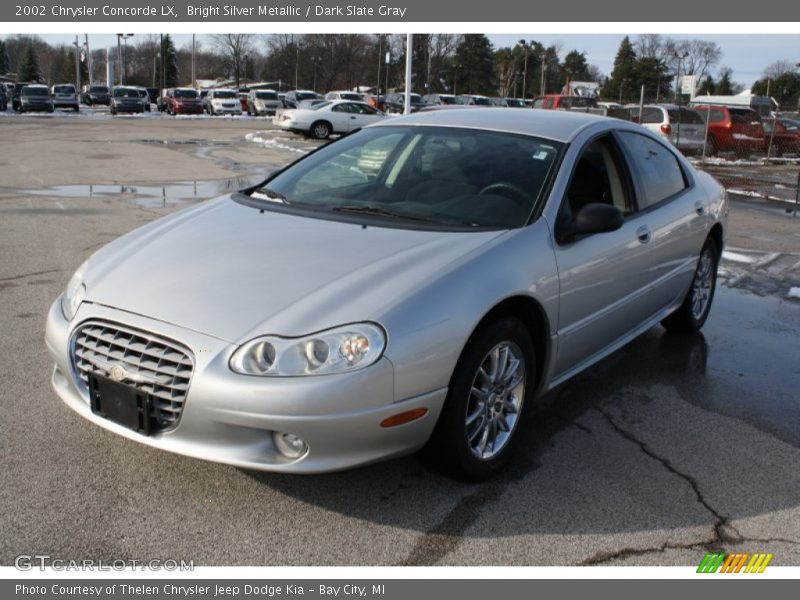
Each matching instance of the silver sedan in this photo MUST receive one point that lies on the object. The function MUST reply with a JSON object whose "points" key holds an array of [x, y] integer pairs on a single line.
{"points": [[414, 285]]}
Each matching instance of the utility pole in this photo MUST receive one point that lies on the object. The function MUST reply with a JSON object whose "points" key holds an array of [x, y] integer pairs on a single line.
{"points": [[409, 51], [77, 64], [388, 64], [380, 57], [89, 61], [525, 70], [194, 81], [544, 70]]}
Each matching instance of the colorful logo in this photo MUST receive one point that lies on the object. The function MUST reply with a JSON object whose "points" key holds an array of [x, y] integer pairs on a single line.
{"points": [[743, 562]]}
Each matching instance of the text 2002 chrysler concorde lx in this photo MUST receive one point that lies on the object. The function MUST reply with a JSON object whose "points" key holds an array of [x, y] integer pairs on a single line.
{"points": [[415, 284]]}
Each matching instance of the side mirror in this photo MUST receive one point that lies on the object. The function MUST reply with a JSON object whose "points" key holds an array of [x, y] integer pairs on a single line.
{"points": [[593, 218]]}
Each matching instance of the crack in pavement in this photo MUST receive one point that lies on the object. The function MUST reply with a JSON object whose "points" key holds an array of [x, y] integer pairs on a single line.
{"points": [[32, 274], [724, 532]]}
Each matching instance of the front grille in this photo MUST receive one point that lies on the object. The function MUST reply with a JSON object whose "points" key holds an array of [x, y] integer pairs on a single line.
{"points": [[159, 367]]}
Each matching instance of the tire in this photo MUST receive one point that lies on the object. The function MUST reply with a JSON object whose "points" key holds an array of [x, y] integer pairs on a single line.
{"points": [[321, 130], [477, 431], [693, 312]]}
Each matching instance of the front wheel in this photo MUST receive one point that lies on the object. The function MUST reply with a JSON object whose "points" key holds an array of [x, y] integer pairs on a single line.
{"points": [[477, 430], [693, 312], [320, 130]]}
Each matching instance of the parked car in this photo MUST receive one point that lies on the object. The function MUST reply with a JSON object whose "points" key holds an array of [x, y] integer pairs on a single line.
{"points": [[422, 303], [127, 99], [182, 101], [95, 94], [473, 100], [144, 95], [732, 129], [303, 104], [563, 102], [3, 97], [377, 102], [498, 101], [439, 99], [786, 139], [35, 97], [16, 90], [65, 96], [334, 116], [344, 95], [663, 120], [263, 102], [291, 99], [396, 103], [515, 102], [222, 102]]}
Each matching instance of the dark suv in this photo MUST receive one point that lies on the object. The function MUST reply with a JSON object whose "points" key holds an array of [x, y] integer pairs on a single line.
{"points": [[396, 103], [95, 94]]}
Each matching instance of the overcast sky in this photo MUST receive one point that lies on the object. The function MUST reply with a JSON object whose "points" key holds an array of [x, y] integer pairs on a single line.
{"points": [[747, 55]]}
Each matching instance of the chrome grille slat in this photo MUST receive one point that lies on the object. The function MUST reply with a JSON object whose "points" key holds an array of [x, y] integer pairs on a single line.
{"points": [[164, 367]]}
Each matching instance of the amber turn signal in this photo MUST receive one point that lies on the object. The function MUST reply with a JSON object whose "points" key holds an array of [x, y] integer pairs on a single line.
{"points": [[404, 417]]}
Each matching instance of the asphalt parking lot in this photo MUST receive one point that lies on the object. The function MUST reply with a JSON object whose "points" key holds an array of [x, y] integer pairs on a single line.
{"points": [[668, 448]]}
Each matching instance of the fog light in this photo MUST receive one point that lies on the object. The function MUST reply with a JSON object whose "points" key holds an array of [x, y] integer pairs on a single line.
{"points": [[290, 445]]}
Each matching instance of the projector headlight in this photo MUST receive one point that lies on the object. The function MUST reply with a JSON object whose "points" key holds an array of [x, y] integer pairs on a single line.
{"points": [[338, 350], [73, 296]]}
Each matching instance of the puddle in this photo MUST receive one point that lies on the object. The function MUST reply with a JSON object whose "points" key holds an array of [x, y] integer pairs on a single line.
{"points": [[152, 195]]}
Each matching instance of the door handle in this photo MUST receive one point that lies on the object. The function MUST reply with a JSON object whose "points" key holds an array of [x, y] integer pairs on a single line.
{"points": [[699, 208], [643, 234]]}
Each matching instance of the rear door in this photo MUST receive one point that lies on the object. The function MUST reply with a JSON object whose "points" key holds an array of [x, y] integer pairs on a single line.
{"points": [[604, 278], [673, 210]]}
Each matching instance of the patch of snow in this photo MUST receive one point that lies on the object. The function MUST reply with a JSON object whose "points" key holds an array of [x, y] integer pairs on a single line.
{"points": [[794, 293], [259, 137], [736, 257]]}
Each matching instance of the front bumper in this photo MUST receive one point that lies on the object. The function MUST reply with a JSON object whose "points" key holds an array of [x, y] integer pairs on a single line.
{"points": [[229, 418]]}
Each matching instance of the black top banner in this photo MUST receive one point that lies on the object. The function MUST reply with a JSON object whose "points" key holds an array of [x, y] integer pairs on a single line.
{"points": [[470, 11]]}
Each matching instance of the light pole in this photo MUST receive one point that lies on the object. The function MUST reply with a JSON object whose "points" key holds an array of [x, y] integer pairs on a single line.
{"points": [[680, 58], [77, 64], [525, 45], [121, 54], [544, 70]]}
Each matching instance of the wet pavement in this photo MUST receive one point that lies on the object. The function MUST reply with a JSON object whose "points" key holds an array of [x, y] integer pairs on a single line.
{"points": [[670, 447]]}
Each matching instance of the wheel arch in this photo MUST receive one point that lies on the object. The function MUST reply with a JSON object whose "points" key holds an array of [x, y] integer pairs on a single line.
{"points": [[717, 235]]}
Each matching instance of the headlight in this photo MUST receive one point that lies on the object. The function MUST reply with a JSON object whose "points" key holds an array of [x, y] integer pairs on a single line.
{"points": [[73, 296], [338, 350]]}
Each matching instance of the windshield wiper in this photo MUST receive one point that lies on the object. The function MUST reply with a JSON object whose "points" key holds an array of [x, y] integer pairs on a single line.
{"points": [[378, 212], [264, 193]]}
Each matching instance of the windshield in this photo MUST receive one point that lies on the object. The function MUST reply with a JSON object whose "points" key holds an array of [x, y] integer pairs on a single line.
{"points": [[267, 95], [186, 94], [346, 96], [481, 101], [306, 95], [224, 94], [126, 93], [35, 91], [99, 89], [443, 176], [318, 105], [64, 89]]}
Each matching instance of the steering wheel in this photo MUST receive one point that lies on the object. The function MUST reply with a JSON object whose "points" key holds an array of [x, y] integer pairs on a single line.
{"points": [[506, 186]]}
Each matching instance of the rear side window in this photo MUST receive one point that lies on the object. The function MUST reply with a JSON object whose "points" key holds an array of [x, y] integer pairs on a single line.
{"points": [[659, 172], [651, 114]]}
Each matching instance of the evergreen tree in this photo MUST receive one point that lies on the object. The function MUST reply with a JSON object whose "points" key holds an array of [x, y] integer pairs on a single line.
{"points": [[475, 63], [707, 86], [620, 85], [169, 58], [576, 67], [4, 66], [651, 73], [28, 69], [724, 85]]}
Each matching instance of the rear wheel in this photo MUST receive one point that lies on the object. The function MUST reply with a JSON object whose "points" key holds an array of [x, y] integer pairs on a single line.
{"points": [[692, 314], [711, 147], [477, 430]]}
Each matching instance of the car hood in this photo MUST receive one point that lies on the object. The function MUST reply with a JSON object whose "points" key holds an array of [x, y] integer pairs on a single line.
{"points": [[230, 271]]}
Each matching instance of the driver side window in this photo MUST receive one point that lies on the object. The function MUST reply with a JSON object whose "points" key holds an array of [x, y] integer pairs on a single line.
{"points": [[598, 178]]}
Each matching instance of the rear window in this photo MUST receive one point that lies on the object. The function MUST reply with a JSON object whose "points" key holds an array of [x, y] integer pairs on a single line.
{"points": [[687, 116], [64, 89], [126, 93], [744, 116], [305, 95], [186, 94], [99, 89], [224, 94], [717, 115], [650, 114], [659, 171], [355, 97]]}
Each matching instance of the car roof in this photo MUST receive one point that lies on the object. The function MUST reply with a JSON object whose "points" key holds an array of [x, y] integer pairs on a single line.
{"points": [[555, 125]]}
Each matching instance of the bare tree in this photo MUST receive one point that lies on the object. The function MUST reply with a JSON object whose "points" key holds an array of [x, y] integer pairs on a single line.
{"points": [[697, 57], [235, 47]]}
